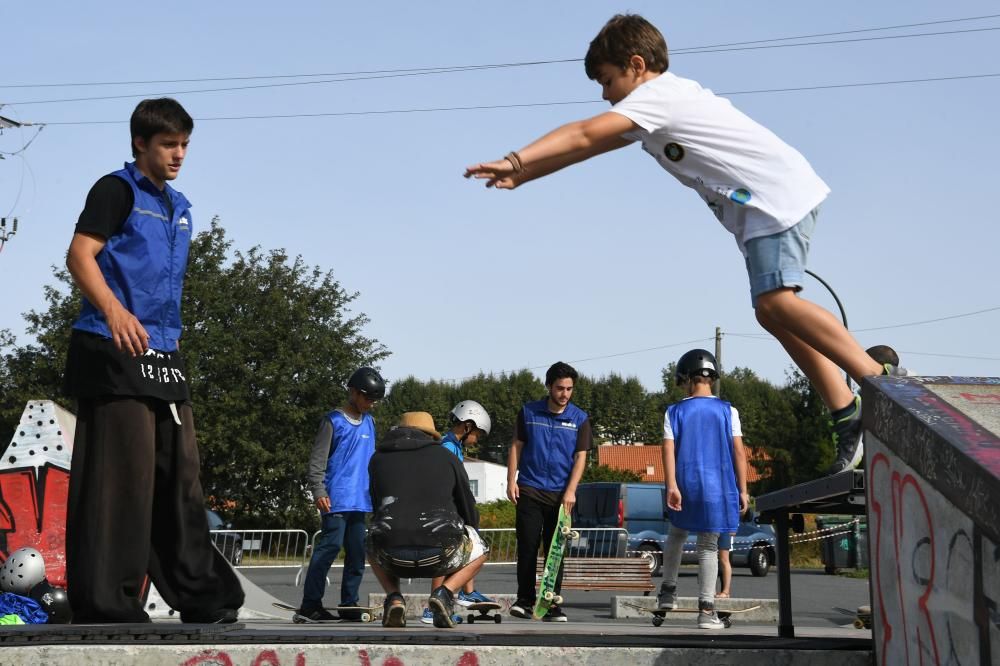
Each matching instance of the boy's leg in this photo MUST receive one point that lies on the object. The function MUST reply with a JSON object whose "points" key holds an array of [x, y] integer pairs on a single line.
{"points": [[323, 556], [191, 575], [817, 342], [528, 527], [672, 550], [388, 581], [454, 582], [708, 566], [354, 557]]}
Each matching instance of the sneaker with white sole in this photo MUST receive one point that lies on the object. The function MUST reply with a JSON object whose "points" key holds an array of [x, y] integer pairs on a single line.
{"points": [[474, 597], [428, 616], [522, 608], [667, 598], [555, 614], [710, 620], [847, 436]]}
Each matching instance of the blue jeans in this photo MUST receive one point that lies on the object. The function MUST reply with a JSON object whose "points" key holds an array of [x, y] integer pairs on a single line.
{"points": [[347, 529]]}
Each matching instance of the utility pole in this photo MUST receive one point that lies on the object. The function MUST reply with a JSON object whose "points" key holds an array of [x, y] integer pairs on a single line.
{"points": [[717, 384]]}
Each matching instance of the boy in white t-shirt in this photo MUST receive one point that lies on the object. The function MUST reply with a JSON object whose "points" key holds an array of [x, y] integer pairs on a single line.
{"points": [[760, 189]]}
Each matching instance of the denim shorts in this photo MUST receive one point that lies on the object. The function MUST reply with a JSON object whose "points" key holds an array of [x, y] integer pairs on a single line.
{"points": [[779, 260], [725, 541]]}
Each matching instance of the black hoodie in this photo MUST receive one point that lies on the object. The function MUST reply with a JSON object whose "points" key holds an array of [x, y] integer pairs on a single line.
{"points": [[420, 492]]}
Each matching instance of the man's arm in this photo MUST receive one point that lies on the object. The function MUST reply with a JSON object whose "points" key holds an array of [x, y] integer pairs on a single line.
{"points": [[316, 476], [512, 461], [81, 260], [740, 463], [670, 474], [569, 495], [573, 142]]}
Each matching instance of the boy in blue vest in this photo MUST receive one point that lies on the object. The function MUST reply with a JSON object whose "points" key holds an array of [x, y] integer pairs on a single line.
{"points": [[706, 479], [761, 189], [469, 422], [135, 499], [546, 461], [338, 479]]}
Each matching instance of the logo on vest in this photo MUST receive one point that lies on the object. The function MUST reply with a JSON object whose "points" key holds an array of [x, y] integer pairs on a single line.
{"points": [[183, 224], [568, 424]]}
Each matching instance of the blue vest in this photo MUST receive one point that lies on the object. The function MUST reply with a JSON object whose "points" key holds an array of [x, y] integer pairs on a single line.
{"points": [[351, 448], [547, 457], [706, 476], [144, 263], [450, 442]]}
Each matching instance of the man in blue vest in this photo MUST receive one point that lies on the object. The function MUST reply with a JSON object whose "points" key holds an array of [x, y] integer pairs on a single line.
{"points": [[338, 480], [135, 504], [546, 461]]}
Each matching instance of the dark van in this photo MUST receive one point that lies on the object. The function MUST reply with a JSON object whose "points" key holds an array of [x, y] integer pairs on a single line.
{"points": [[639, 509]]}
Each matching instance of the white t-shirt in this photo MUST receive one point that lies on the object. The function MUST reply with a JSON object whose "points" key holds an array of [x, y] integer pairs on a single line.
{"points": [[754, 182], [668, 432]]}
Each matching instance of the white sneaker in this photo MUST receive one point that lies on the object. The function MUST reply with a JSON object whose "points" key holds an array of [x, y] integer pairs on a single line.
{"points": [[710, 620]]}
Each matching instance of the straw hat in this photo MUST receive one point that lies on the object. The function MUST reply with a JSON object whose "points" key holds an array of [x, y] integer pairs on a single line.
{"points": [[422, 421]]}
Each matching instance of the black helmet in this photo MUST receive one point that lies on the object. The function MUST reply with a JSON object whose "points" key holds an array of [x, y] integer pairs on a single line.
{"points": [[53, 601], [368, 381], [697, 363]]}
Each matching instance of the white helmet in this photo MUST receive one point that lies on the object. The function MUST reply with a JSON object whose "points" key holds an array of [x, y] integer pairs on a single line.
{"points": [[24, 569], [470, 410]]}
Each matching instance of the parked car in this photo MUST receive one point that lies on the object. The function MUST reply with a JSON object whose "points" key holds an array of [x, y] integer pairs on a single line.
{"points": [[638, 508], [230, 544]]}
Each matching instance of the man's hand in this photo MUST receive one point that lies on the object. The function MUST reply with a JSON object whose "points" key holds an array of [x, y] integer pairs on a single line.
{"points": [[126, 331], [674, 499], [499, 174], [323, 504], [569, 501], [513, 492]]}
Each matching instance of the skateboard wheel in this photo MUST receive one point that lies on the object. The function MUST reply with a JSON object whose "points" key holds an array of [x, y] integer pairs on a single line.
{"points": [[575, 535], [657, 621], [566, 531], [497, 618], [858, 624], [549, 596], [472, 618], [726, 622], [366, 617], [557, 599]]}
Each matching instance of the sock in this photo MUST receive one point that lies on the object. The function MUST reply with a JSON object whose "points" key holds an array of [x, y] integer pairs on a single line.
{"points": [[847, 412]]}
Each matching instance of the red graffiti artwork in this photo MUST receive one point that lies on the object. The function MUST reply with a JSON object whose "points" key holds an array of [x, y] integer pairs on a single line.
{"points": [[33, 513]]}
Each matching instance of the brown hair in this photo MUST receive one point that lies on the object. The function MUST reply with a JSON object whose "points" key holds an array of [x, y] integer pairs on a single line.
{"points": [[622, 37]]}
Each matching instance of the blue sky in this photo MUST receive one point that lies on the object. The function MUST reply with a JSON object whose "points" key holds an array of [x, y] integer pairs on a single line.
{"points": [[604, 259]]}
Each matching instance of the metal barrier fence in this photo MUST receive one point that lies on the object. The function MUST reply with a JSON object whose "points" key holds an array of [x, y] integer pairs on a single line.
{"points": [[260, 549], [591, 542]]}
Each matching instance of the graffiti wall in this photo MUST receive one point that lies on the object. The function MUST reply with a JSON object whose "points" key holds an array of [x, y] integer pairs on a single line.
{"points": [[34, 486], [932, 468]]}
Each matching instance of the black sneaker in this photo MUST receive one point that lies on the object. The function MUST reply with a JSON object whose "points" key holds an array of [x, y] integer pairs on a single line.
{"points": [[349, 613], [522, 609], [847, 436], [442, 604], [315, 615], [219, 616], [394, 615], [555, 614]]}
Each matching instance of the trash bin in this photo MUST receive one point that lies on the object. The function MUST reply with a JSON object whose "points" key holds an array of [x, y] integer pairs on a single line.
{"points": [[848, 549]]}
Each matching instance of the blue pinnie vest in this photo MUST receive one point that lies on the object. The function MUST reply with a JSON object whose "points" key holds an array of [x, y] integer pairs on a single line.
{"points": [[351, 449], [144, 263], [550, 444]]}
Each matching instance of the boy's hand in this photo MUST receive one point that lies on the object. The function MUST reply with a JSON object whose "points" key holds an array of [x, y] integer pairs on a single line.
{"points": [[499, 174], [744, 502], [674, 499], [323, 504], [513, 492]]}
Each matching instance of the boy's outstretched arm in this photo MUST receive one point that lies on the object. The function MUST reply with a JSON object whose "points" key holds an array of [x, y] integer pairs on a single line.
{"points": [[569, 144], [740, 463]]}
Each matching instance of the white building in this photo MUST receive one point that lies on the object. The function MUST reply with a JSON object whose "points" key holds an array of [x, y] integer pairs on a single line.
{"points": [[487, 480]]}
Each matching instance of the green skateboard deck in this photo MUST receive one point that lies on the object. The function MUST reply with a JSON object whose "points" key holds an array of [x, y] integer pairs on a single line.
{"points": [[546, 591]]}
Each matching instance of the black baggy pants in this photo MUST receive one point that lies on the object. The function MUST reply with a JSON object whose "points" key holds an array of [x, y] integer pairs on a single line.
{"points": [[534, 524], [135, 508]]}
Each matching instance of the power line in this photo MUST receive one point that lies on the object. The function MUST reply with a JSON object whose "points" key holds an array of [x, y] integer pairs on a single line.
{"points": [[482, 107], [926, 321], [463, 68], [709, 48]]}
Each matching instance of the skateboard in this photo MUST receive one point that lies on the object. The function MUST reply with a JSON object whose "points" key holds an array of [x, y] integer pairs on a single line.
{"points": [[862, 616], [660, 613], [368, 613], [546, 592], [484, 612]]}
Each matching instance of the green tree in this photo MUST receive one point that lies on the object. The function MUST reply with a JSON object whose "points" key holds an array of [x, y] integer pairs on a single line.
{"points": [[269, 343]]}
